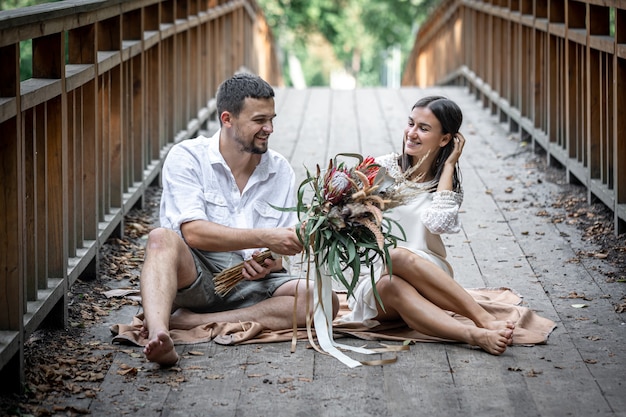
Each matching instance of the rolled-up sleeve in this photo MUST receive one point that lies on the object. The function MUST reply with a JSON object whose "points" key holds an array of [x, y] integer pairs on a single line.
{"points": [[183, 199]]}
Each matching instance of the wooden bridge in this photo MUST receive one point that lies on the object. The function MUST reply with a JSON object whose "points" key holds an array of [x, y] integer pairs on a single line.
{"points": [[116, 83]]}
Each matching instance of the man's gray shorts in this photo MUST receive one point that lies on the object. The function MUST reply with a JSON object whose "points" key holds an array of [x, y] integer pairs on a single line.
{"points": [[200, 297]]}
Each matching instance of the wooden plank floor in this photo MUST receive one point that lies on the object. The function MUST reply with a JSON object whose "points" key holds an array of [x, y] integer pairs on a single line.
{"points": [[504, 242]]}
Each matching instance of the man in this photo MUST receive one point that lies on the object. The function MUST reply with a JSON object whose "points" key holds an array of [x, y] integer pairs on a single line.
{"points": [[216, 211]]}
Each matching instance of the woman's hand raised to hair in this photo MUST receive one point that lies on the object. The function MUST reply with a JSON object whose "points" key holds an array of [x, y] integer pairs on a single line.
{"points": [[459, 142]]}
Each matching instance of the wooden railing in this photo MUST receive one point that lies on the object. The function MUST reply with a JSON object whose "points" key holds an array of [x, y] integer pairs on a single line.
{"points": [[555, 70], [114, 84]]}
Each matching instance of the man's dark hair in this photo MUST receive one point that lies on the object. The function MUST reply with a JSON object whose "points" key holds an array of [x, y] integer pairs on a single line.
{"points": [[232, 93]]}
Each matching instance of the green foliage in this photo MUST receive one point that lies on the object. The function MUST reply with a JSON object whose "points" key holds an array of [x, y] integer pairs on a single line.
{"points": [[26, 59], [16, 4], [359, 31], [26, 52]]}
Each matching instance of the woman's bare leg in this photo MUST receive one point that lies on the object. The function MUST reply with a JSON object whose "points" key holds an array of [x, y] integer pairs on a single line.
{"points": [[440, 288], [402, 300]]}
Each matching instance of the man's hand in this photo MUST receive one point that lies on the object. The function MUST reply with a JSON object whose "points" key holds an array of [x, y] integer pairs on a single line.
{"points": [[253, 270], [283, 240]]}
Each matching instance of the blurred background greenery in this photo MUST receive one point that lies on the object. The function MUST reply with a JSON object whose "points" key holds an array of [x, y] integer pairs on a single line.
{"points": [[337, 43], [25, 47], [345, 43], [13, 4]]}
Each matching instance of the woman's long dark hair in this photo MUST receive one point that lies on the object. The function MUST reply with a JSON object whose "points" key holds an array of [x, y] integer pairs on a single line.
{"points": [[450, 117]]}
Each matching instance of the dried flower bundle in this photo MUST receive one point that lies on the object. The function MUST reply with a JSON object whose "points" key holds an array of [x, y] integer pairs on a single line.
{"points": [[226, 280]]}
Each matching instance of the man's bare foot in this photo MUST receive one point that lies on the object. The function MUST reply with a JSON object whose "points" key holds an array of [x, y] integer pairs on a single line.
{"points": [[161, 350], [492, 341]]}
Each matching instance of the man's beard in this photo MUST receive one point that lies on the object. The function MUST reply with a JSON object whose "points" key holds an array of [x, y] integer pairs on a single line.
{"points": [[250, 147]]}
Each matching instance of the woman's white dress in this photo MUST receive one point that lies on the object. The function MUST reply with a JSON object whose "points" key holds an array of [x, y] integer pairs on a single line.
{"points": [[424, 217]]}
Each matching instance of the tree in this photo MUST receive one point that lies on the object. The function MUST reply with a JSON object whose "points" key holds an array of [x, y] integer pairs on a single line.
{"points": [[359, 31]]}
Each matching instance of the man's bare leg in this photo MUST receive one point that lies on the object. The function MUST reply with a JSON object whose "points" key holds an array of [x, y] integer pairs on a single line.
{"points": [[275, 313], [168, 266], [441, 289], [402, 300]]}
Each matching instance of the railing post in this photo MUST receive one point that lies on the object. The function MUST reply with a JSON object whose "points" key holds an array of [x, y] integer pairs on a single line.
{"points": [[82, 52], [49, 65], [12, 260], [619, 121], [111, 134]]}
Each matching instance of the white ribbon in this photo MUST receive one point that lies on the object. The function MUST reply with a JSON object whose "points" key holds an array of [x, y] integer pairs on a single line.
{"points": [[323, 320]]}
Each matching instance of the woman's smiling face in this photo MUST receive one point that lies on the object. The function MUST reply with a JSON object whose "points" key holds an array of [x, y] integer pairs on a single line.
{"points": [[423, 134]]}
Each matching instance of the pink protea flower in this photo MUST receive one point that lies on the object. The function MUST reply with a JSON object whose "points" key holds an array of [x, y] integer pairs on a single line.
{"points": [[337, 185]]}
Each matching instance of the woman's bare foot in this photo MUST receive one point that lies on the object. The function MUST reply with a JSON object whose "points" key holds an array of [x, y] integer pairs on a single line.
{"points": [[500, 324], [161, 350], [492, 341]]}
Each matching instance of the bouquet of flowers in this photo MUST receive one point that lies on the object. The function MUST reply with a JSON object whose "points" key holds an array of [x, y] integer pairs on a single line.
{"points": [[343, 226]]}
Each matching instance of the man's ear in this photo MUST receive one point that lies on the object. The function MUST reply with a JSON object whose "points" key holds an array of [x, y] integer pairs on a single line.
{"points": [[226, 118]]}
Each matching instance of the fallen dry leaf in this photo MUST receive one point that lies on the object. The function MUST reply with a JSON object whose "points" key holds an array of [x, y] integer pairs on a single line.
{"points": [[128, 371], [574, 294]]}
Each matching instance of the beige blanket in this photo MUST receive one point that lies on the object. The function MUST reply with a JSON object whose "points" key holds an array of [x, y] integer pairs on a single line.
{"points": [[530, 328]]}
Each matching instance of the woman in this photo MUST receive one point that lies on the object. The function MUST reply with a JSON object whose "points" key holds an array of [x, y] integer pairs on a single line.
{"points": [[422, 287]]}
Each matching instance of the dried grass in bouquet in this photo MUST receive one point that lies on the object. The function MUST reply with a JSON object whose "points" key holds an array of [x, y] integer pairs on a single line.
{"points": [[226, 280]]}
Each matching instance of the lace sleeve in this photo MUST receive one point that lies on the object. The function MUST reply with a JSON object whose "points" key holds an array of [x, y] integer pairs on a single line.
{"points": [[390, 163], [443, 214]]}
